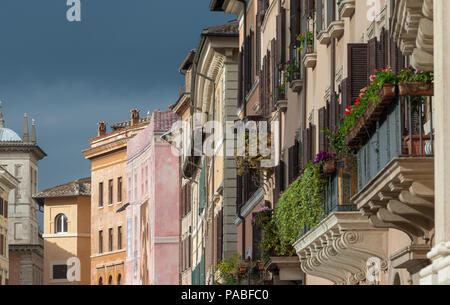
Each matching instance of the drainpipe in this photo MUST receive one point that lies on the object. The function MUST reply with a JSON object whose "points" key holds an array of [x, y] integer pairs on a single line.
{"points": [[242, 218]]}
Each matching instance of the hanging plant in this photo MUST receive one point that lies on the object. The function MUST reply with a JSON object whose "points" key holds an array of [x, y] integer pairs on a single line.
{"points": [[300, 205], [262, 217], [247, 164]]}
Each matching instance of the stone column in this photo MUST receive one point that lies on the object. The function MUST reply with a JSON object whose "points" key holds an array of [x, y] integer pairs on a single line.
{"points": [[439, 271]]}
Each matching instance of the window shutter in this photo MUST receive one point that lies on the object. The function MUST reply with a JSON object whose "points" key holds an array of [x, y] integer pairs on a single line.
{"points": [[259, 20], [296, 153], [357, 69], [269, 83], [319, 17], [295, 20], [322, 134], [305, 147], [310, 6], [262, 86], [371, 58], [281, 37], [346, 101], [240, 79], [382, 50], [291, 165], [310, 142], [396, 58], [331, 9], [238, 191], [274, 68], [220, 236], [189, 200]]}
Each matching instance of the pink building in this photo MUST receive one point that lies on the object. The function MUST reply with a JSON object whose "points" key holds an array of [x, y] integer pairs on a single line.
{"points": [[153, 213]]}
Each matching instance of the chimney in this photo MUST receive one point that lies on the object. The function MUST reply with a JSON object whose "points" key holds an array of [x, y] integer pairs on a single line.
{"points": [[135, 117], [101, 128], [33, 132], [25, 136]]}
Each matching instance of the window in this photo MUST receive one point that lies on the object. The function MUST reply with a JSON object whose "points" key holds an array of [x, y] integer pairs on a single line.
{"points": [[100, 281], [110, 191], [119, 279], [61, 223], [1, 207], [100, 194], [110, 280], [59, 272], [100, 242], [119, 238], [2, 246], [119, 189], [110, 237]]}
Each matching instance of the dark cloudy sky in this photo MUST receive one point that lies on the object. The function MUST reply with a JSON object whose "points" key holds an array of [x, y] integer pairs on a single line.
{"points": [[69, 76]]}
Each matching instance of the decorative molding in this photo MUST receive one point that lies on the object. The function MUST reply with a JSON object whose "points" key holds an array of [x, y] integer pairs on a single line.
{"points": [[401, 197], [339, 248]]}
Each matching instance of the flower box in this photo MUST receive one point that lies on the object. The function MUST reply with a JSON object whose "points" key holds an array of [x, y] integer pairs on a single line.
{"points": [[416, 89], [371, 115], [243, 269]]}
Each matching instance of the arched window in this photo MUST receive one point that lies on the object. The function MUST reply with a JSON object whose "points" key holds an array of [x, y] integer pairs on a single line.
{"points": [[61, 223], [119, 279], [100, 281], [110, 280]]}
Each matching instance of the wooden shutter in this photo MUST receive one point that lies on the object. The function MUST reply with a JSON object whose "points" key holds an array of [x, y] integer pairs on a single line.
{"points": [[295, 20], [346, 95], [382, 50], [309, 7], [269, 83], [240, 79], [274, 68], [357, 68], [220, 236], [371, 58], [239, 190], [281, 37], [262, 87], [310, 140], [259, 20], [296, 153], [319, 16], [331, 11], [322, 134]]}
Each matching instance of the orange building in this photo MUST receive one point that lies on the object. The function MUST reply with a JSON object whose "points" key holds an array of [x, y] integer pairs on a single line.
{"points": [[108, 156]]}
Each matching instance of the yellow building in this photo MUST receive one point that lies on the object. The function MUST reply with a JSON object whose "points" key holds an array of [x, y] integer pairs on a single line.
{"points": [[7, 183], [108, 156], [67, 214]]}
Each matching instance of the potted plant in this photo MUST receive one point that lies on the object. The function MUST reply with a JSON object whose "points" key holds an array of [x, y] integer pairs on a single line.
{"points": [[261, 217], [328, 162], [307, 39], [281, 92], [292, 71], [386, 80], [260, 265], [415, 83]]}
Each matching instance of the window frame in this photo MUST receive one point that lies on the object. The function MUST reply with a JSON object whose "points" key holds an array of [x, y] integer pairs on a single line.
{"points": [[62, 221]]}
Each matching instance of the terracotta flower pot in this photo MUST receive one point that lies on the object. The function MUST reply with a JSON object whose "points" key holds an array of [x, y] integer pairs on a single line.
{"points": [[329, 167], [388, 91], [416, 149], [243, 269], [261, 267], [309, 48], [416, 89]]}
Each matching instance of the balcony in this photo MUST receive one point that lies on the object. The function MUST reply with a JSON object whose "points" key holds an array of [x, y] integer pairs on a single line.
{"points": [[309, 56], [324, 37], [346, 8], [413, 31], [336, 29], [296, 79], [338, 248], [396, 178]]}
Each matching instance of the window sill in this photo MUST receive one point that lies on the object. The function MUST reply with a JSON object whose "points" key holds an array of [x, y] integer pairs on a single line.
{"points": [[101, 208]]}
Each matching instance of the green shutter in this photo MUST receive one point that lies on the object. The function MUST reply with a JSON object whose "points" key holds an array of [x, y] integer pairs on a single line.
{"points": [[202, 190], [202, 269]]}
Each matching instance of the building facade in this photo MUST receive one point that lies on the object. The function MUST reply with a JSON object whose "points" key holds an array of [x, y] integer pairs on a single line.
{"points": [[108, 156], [67, 237], [153, 213], [7, 184], [20, 157]]}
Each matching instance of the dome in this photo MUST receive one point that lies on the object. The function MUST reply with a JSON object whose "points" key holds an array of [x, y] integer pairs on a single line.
{"points": [[8, 135]]}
